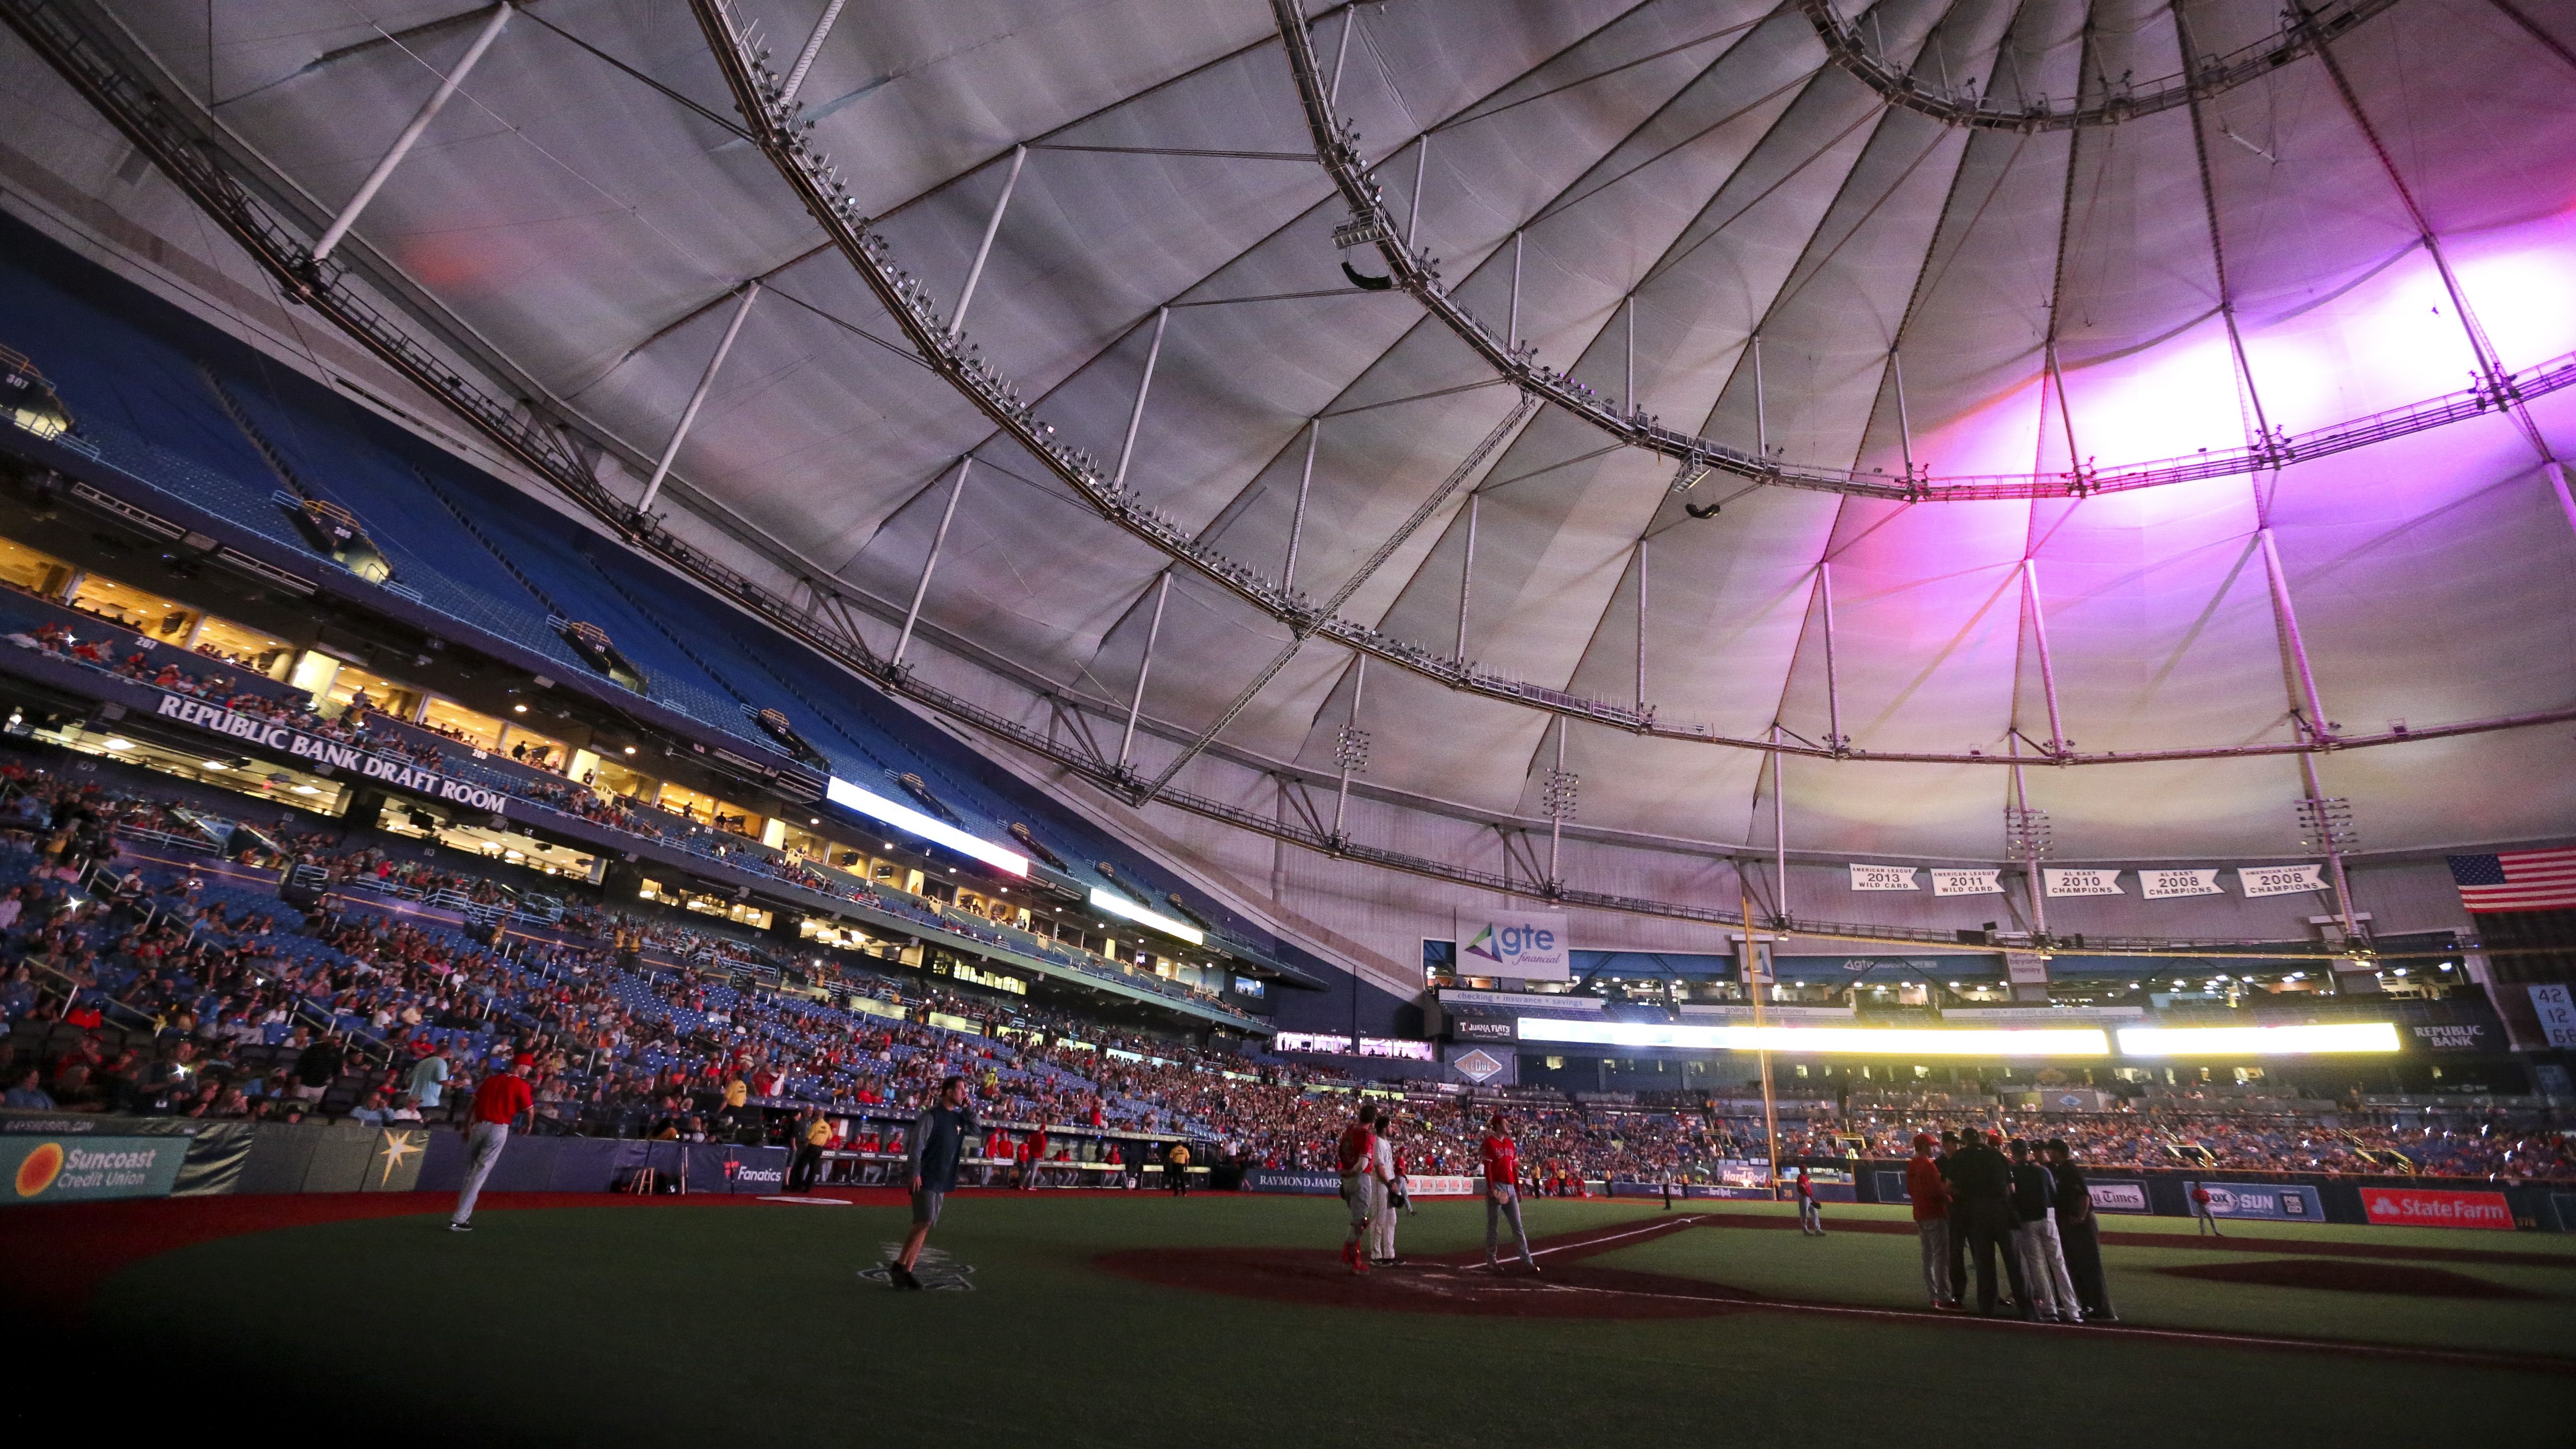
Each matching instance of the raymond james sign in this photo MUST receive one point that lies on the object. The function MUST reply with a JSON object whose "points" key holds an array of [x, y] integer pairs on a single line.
{"points": [[270, 735]]}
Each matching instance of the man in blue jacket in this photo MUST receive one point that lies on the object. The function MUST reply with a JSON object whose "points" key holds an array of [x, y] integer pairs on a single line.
{"points": [[931, 1149]]}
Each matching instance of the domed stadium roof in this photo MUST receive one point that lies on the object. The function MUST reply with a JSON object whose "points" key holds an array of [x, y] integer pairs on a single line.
{"points": [[1956, 380]]}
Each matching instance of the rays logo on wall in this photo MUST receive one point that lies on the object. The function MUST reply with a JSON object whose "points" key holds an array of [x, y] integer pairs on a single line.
{"points": [[1516, 945]]}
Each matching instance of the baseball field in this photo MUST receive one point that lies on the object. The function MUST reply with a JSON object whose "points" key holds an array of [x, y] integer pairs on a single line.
{"points": [[1144, 1320]]}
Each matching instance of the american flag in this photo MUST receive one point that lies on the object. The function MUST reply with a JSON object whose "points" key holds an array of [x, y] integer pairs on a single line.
{"points": [[2518, 880]]}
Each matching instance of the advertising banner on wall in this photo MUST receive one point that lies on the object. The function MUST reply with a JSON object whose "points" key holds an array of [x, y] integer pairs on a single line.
{"points": [[2026, 968], [2453, 1036], [2262, 1200], [82, 1169], [2166, 885], [2431, 1208], [2082, 882], [1967, 883], [269, 734], [1514, 945], [1883, 878], [1484, 1068], [2259, 881], [2116, 1195]]}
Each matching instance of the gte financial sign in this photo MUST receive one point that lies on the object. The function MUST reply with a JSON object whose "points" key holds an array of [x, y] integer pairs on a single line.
{"points": [[1514, 945]]}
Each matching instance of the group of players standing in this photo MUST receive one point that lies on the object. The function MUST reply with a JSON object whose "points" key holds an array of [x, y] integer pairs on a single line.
{"points": [[1373, 1179], [2034, 1208]]}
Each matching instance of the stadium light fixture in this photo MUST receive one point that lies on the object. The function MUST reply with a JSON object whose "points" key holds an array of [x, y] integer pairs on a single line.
{"points": [[2257, 1041], [842, 793], [1118, 905], [1826, 1040]]}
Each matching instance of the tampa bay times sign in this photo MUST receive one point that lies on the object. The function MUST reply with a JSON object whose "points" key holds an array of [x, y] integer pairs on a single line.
{"points": [[270, 735]]}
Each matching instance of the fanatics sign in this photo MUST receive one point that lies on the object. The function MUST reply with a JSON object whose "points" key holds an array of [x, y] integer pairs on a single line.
{"points": [[2427, 1208]]}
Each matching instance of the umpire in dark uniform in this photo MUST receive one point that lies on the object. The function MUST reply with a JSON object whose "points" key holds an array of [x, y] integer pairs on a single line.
{"points": [[1958, 1224], [2079, 1232], [1982, 1212]]}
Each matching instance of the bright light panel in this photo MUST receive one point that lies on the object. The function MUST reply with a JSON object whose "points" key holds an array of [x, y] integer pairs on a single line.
{"points": [[1838, 1040], [2257, 1041], [1118, 905], [842, 792]]}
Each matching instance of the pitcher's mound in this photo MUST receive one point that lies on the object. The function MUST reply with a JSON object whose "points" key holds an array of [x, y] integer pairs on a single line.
{"points": [[1285, 1275], [2343, 1275]]}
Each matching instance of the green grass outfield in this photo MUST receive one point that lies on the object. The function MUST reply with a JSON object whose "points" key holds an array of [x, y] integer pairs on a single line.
{"points": [[637, 1324]]}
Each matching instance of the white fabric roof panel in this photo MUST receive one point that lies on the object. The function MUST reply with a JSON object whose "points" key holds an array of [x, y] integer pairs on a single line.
{"points": [[592, 229]]}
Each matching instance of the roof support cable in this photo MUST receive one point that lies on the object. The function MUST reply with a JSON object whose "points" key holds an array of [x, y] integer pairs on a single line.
{"points": [[984, 248], [697, 399], [813, 48], [2218, 248], [2491, 369], [410, 135], [1835, 739], [1297, 520], [1144, 666], [930, 561], [1350, 747], [1136, 414]]}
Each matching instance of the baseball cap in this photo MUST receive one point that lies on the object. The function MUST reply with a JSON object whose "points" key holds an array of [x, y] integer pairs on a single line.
{"points": [[1925, 1139], [523, 1060]]}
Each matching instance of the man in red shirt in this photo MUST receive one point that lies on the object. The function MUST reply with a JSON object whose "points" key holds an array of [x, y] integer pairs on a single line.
{"points": [[1503, 1191], [1930, 1193], [499, 1103], [1362, 1187]]}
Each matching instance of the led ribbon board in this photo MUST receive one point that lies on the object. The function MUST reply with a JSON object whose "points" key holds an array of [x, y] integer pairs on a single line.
{"points": [[1118, 905], [1839, 1040], [2257, 1041], [903, 817]]}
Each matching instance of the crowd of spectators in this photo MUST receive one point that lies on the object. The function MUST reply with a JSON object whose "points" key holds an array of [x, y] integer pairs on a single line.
{"points": [[228, 1003]]}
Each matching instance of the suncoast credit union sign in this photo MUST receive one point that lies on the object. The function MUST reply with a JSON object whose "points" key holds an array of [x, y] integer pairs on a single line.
{"points": [[1514, 945], [70, 1169]]}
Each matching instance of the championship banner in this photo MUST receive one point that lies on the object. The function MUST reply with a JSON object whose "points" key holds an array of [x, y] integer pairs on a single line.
{"points": [[2261, 1200], [2259, 881], [84, 1169], [1515, 945], [2083, 882], [1967, 883], [1883, 878], [267, 734], [2430, 1208], [2165, 885]]}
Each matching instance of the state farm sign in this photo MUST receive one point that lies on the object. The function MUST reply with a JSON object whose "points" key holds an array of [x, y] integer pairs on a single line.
{"points": [[2432, 1209]]}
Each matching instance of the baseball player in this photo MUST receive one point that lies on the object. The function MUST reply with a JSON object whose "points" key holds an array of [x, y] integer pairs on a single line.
{"points": [[1503, 1191], [1362, 1187]]}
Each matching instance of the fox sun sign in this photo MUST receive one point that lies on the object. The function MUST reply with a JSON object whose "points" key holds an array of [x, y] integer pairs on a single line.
{"points": [[1514, 945]]}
